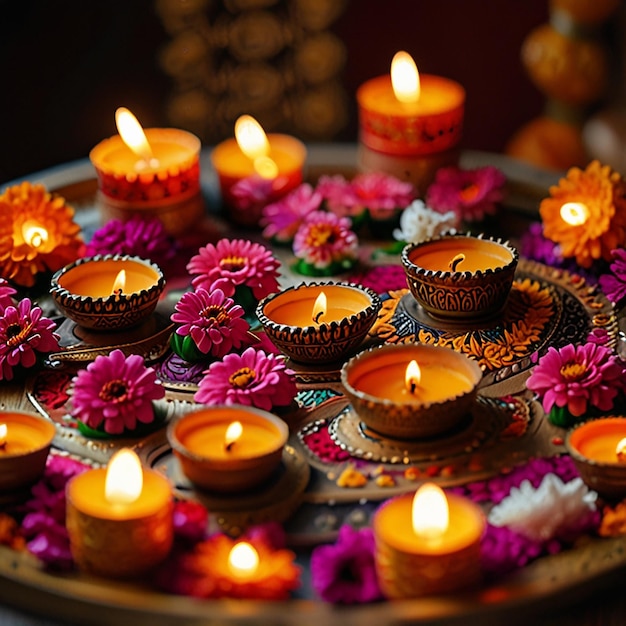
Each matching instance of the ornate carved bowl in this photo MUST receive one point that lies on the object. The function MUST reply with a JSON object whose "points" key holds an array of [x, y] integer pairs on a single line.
{"points": [[287, 318], [453, 288], [85, 291]]}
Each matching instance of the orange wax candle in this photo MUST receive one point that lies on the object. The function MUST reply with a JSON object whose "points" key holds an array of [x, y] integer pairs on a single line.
{"points": [[25, 442], [212, 460], [117, 536], [411, 563], [597, 440]]}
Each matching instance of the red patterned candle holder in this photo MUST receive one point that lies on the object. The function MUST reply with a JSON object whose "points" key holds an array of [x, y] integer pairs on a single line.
{"points": [[166, 186]]}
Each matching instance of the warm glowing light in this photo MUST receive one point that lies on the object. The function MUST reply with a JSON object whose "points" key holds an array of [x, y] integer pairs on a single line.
{"points": [[34, 234], [124, 478], [119, 284], [3, 435], [243, 560], [405, 78], [253, 142], [412, 376], [575, 213], [233, 433], [454, 263], [430, 512], [620, 450], [133, 136], [319, 307]]}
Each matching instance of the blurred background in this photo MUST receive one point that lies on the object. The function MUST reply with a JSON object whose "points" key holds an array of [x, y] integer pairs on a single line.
{"points": [[294, 64]]}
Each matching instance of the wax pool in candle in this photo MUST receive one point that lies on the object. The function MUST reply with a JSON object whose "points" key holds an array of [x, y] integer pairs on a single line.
{"points": [[597, 440], [23, 436]]}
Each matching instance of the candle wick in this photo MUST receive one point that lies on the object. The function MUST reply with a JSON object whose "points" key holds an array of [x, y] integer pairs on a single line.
{"points": [[316, 319], [3, 444], [459, 258], [413, 387], [228, 447]]}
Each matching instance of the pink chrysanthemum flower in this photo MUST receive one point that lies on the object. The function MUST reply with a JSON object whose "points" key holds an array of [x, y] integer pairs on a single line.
{"points": [[252, 191], [24, 333], [614, 284], [252, 378], [145, 238], [577, 378], [213, 321], [377, 192], [282, 219], [116, 391], [234, 262], [6, 294], [325, 239], [471, 194]]}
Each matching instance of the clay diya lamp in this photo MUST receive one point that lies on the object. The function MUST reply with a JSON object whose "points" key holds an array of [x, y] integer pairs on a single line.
{"points": [[459, 277], [228, 449], [108, 293], [319, 323], [411, 391], [598, 449]]}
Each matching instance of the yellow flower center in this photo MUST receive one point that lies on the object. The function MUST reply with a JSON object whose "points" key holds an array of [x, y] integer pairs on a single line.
{"points": [[233, 263], [218, 313], [322, 235], [573, 371], [242, 377], [113, 391], [16, 334]]}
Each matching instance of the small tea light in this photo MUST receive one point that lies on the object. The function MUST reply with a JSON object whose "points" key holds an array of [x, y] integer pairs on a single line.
{"points": [[598, 449], [319, 322], [25, 441], [427, 543], [111, 292], [228, 448], [411, 391], [119, 518], [458, 277], [251, 154], [153, 173]]}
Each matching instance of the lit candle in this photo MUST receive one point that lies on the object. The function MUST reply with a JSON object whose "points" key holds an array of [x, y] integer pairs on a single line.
{"points": [[119, 518], [427, 543], [112, 292], [392, 398], [251, 153], [228, 448], [575, 213], [34, 234], [243, 561], [319, 322], [25, 441], [153, 172]]}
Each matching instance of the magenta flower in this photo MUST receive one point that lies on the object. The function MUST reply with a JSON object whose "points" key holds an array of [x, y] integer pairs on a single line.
{"points": [[252, 191], [325, 241], [282, 219], [471, 194], [116, 391], [252, 378], [145, 238], [577, 378], [345, 572], [191, 520], [214, 322], [614, 284], [6, 294], [234, 262], [24, 333]]}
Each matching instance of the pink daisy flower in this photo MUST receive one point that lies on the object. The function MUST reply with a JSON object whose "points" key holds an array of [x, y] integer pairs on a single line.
{"points": [[234, 262], [471, 194], [116, 391], [577, 378], [325, 240], [252, 378], [252, 191], [282, 219], [24, 333], [6, 294], [212, 321]]}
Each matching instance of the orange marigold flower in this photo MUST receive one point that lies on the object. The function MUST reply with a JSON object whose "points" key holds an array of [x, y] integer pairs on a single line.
{"points": [[37, 233], [603, 192]]}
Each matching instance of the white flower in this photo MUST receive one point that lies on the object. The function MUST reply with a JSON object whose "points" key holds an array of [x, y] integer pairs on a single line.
{"points": [[419, 223], [546, 511]]}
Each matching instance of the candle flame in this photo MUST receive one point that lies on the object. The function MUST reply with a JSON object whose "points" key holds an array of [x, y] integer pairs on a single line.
{"points": [[575, 213], [405, 78], [319, 307], [620, 450], [133, 135], [454, 263], [119, 284], [34, 234], [413, 376], [253, 142], [243, 560], [233, 433], [3, 435], [124, 477], [431, 514]]}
